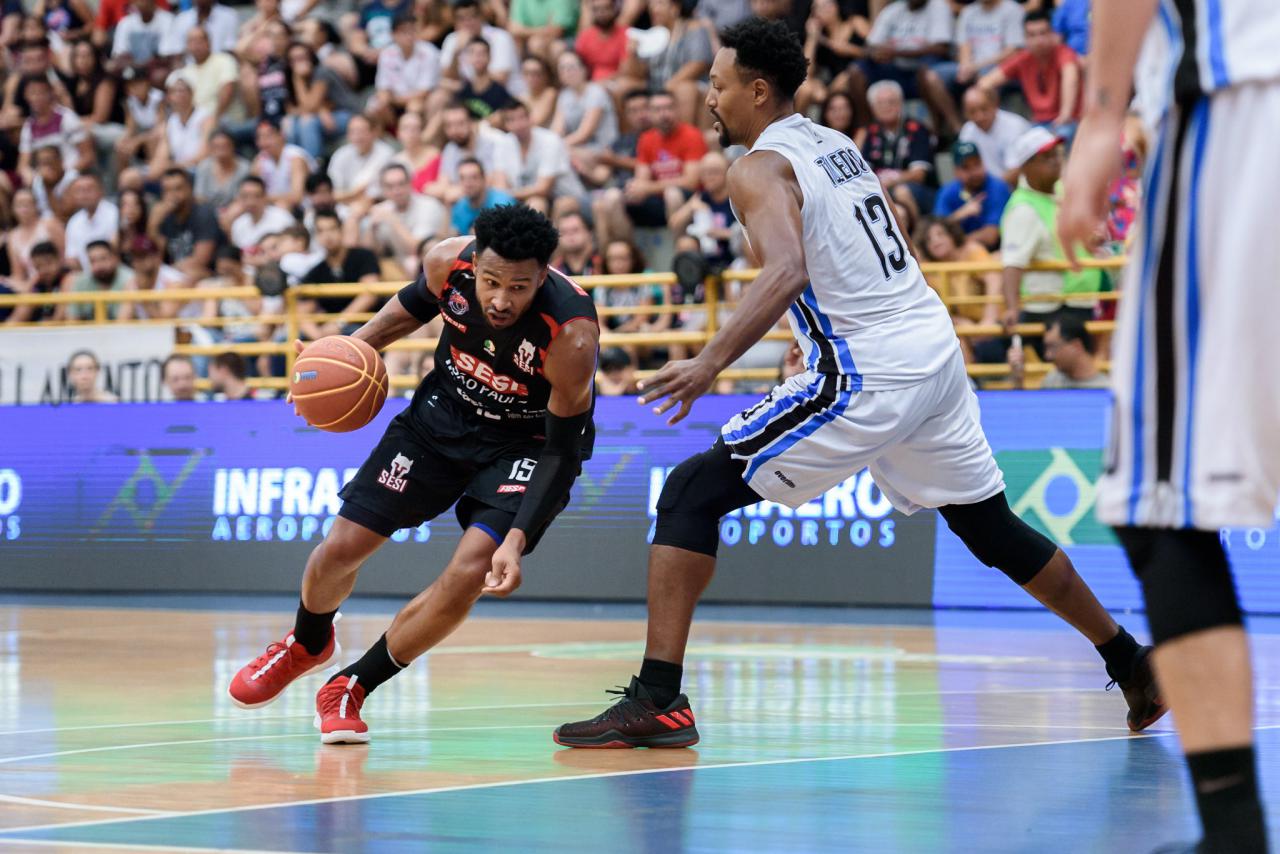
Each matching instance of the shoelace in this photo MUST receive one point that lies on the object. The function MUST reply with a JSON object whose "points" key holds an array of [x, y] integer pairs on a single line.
{"points": [[618, 711], [332, 701], [263, 663]]}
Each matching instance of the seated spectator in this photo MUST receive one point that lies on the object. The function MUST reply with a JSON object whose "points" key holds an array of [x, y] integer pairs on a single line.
{"points": [[65, 21], [975, 199], [264, 83], [319, 198], [51, 125], [52, 183], [146, 34], [432, 20], [576, 254], [706, 221], [603, 45], [910, 44], [133, 217], [30, 229], [420, 160], [218, 176], [229, 272], [142, 119], [480, 93], [33, 60], [110, 14], [219, 24], [1071, 23], [468, 24], [545, 175], [104, 273], [616, 164], [1048, 74], [898, 149], [943, 241], [987, 33], [355, 167], [617, 376], [251, 218], [993, 130], [1070, 346], [322, 102], [283, 167], [185, 141], [397, 226], [187, 232], [214, 76], [178, 374], [623, 258], [540, 90], [666, 174], [408, 70], [681, 68], [95, 218], [541, 27], [476, 196], [95, 98], [467, 138], [227, 374], [341, 265], [1028, 233], [297, 257], [832, 41], [584, 115], [838, 114], [150, 273], [83, 371], [49, 276], [370, 31]]}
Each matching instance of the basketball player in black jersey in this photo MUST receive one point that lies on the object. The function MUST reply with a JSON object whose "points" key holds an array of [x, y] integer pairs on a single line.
{"points": [[500, 427]]}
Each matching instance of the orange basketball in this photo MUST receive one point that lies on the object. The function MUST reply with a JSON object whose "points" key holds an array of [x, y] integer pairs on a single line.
{"points": [[339, 384]]}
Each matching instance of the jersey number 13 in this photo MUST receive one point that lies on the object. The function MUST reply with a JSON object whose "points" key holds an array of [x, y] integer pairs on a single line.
{"points": [[873, 215]]}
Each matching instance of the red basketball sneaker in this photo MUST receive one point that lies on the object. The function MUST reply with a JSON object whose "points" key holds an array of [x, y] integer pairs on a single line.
{"points": [[260, 681], [338, 712]]}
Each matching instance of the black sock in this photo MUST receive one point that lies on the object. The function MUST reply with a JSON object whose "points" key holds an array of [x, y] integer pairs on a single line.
{"points": [[312, 630], [1226, 786], [374, 667], [662, 678], [1118, 655]]}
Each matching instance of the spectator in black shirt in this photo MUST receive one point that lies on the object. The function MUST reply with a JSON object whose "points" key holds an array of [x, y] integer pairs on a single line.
{"points": [[187, 232], [340, 266], [264, 83], [899, 150], [576, 254], [482, 95]]}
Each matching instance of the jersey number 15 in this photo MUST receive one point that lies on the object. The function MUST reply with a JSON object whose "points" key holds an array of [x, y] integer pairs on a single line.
{"points": [[873, 212]]}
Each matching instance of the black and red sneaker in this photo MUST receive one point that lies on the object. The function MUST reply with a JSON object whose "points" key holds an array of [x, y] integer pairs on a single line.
{"points": [[633, 721], [1141, 693]]}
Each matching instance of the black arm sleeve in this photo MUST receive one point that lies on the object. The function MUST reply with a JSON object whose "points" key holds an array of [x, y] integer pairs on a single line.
{"points": [[414, 298], [557, 467]]}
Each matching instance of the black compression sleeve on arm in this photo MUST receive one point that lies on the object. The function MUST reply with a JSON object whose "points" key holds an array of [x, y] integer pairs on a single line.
{"points": [[414, 298], [555, 472]]}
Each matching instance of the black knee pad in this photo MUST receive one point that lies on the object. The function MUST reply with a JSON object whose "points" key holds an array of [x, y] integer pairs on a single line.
{"points": [[697, 493], [1186, 580], [998, 538]]}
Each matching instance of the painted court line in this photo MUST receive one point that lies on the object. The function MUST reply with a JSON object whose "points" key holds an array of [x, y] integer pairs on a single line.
{"points": [[66, 805], [761, 763], [131, 846]]}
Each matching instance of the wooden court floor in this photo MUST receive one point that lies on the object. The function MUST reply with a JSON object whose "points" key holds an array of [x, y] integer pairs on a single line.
{"points": [[969, 732]]}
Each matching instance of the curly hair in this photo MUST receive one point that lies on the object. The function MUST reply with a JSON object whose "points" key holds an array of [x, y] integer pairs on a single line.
{"points": [[516, 232], [770, 50]]}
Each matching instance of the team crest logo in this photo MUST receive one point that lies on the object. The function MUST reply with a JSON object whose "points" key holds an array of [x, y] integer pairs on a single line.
{"points": [[397, 478], [488, 347], [524, 356], [458, 303]]}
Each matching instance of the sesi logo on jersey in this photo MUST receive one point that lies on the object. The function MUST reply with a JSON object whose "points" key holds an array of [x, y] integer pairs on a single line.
{"points": [[483, 373]]}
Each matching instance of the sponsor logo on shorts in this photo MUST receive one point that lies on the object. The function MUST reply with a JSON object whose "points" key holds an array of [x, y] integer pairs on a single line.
{"points": [[461, 327], [482, 372], [300, 376], [782, 477], [524, 356], [507, 488], [1225, 477], [396, 478], [458, 303]]}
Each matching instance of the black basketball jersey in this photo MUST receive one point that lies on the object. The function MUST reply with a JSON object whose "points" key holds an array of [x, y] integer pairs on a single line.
{"points": [[491, 379]]}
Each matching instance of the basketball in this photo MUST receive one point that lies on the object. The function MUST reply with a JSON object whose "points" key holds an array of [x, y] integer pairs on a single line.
{"points": [[339, 384]]}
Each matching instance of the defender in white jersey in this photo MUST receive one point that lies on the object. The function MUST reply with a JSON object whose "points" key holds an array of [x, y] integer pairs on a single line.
{"points": [[885, 387], [1195, 427]]}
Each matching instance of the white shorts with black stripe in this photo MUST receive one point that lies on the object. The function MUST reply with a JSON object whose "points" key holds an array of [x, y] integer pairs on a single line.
{"points": [[1195, 428], [924, 443]]}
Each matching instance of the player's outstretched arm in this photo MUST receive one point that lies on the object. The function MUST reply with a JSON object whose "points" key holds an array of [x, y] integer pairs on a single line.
{"points": [[570, 368], [415, 305]]}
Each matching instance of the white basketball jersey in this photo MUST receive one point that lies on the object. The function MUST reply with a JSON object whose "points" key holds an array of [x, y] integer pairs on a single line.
{"points": [[868, 311]]}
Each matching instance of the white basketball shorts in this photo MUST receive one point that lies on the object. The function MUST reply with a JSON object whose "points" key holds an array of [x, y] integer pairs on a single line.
{"points": [[924, 443], [1195, 426]]}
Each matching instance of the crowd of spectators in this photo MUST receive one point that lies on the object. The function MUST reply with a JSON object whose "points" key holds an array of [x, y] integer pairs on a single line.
{"points": [[175, 144]]}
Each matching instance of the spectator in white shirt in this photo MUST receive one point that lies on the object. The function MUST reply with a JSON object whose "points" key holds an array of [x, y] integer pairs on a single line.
{"points": [[468, 23], [145, 34], [993, 130], [220, 22], [249, 219], [397, 226], [52, 183], [910, 44], [355, 167], [185, 141], [545, 176], [51, 125], [95, 219], [214, 77], [497, 152], [408, 70], [987, 33], [282, 167]]}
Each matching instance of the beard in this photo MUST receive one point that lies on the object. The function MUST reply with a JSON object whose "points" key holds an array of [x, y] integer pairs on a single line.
{"points": [[722, 131]]}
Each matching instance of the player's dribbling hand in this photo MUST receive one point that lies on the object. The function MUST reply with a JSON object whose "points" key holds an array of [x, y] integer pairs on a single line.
{"points": [[298, 346], [681, 383], [504, 575], [1094, 164]]}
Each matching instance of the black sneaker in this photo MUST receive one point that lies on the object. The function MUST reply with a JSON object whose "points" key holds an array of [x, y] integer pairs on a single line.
{"points": [[1141, 692], [633, 721]]}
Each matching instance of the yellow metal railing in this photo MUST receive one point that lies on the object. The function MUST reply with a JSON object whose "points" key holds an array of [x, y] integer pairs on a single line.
{"points": [[940, 275]]}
